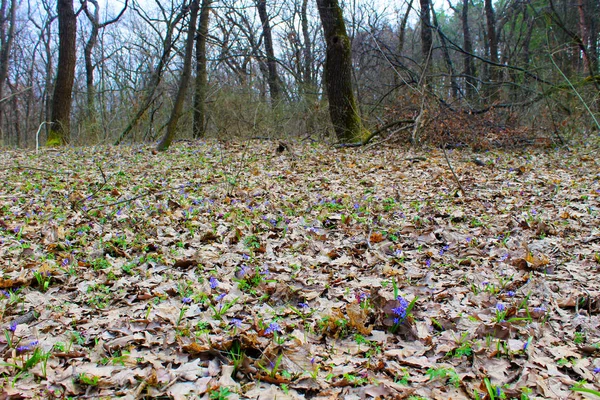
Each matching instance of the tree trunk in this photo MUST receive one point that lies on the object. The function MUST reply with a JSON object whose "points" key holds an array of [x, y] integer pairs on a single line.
{"points": [[183, 83], [492, 39], [447, 59], [61, 101], [201, 85], [426, 37], [471, 82], [7, 33], [155, 78], [343, 109], [94, 18], [402, 30], [273, 78], [307, 77]]}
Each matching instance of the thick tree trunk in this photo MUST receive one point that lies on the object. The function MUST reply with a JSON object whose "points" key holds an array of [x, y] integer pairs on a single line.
{"points": [[343, 109], [201, 84], [272, 78], [61, 101], [183, 83]]}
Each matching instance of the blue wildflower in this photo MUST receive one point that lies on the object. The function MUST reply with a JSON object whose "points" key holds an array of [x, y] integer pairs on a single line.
{"points": [[400, 311], [303, 305], [444, 249], [597, 370], [220, 297], [273, 327], [213, 282], [186, 300], [13, 326], [510, 293], [500, 307], [428, 262], [236, 322]]}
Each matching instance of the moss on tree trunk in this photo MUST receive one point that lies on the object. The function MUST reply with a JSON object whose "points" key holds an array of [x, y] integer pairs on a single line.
{"points": [[343, 108]]}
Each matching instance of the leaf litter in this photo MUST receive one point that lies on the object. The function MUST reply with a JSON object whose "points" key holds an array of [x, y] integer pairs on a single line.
{"points": [[231, 270]]}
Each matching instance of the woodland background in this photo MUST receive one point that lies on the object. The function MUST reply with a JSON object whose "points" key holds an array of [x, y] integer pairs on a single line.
{"points": [[483, 73]]}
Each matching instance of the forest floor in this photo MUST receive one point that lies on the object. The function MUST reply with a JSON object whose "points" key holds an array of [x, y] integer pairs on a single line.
{"points": [[233, 270]]}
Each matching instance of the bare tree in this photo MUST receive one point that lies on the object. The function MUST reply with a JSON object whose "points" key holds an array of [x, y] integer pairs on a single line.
{"points": [[96, 26], [184, 81], [273, 78], [61, 101], [168, 41], [201, 84]]}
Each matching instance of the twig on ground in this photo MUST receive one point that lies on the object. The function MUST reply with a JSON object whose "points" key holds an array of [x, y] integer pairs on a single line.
{"points": [[452, 170]]}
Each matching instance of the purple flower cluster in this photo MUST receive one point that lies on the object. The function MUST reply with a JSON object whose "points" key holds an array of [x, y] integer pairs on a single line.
{"points": [[22, 349], [273, 327], [400, 311]]}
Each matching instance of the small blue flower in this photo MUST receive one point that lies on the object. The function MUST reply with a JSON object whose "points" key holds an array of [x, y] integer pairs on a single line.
{"points": [[243, 270], [400, 311], [500, 307], [236, 322], [510, 293], [186, 300], [13, 326], [428, 262], [213, 282], [597, 370], [220, 297], [444, 249], [303, 305], [273, 327]]}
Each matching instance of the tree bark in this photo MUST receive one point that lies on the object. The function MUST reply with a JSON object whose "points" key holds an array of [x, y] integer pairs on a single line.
{"points": [[7, 34], [272, 78], [490, 20], [61, 101], [471, 82], [201, 84], [183, 83], [426, 36], [307, 76], [343, 109]]}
